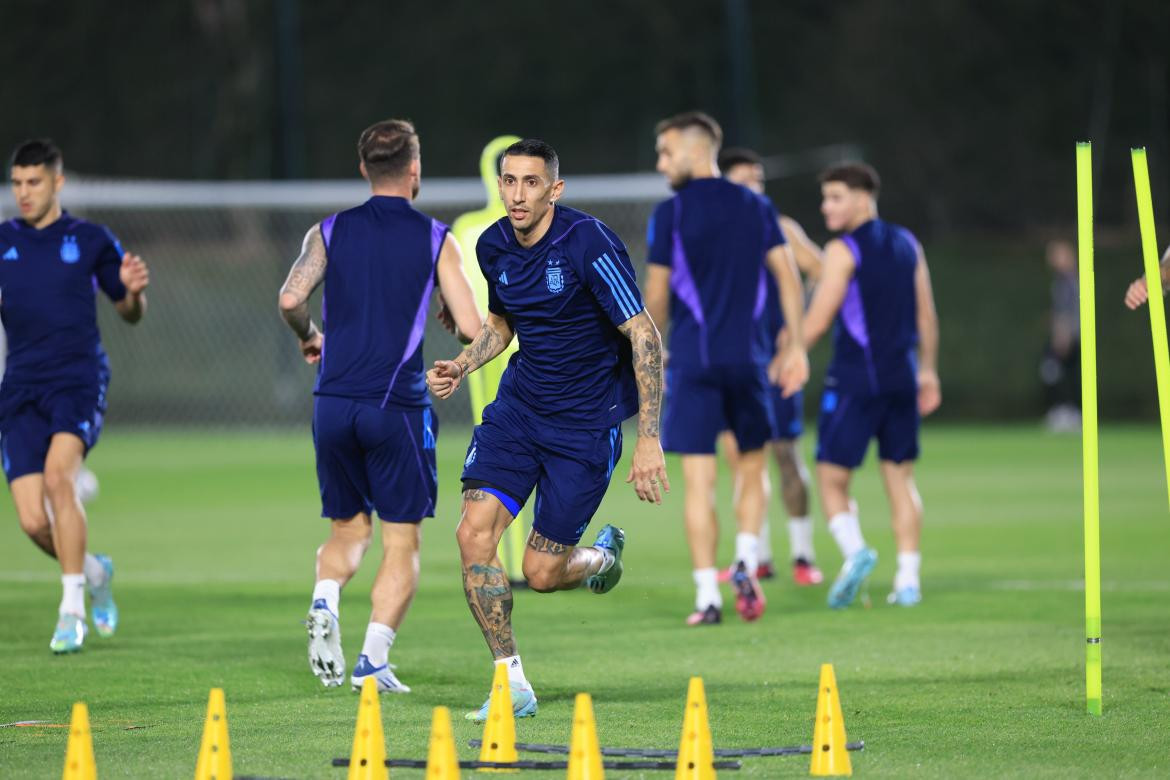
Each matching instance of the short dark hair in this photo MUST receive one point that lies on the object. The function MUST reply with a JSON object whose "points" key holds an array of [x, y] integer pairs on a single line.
{"points": [[534, 147], [855, 176], [738, 155], [387, 148], [38, 151], [692, 119]]}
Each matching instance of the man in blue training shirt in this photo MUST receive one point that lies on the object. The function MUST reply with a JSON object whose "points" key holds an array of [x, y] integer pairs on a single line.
{"points": [[53, 396], [744, 166], [589, 357], [883, 375], [373, 429], [711, 248]]}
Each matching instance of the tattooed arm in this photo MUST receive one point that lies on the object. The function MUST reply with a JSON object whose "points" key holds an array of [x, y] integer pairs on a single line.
{"points": [[306, 275], [648, 468], [494, 337]]}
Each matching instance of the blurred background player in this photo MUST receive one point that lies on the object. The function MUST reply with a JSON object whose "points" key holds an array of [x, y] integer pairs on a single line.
{"points": [[883, 375], [589, 358], [1137, 293], [53, 395], [711, 248], [1060, 368], [373, 429], [744, 166]]}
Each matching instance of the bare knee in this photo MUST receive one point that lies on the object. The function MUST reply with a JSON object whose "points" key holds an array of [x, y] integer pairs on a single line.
{"points": [[477, 541], [542, 578], [34, 522], [59, 487]]}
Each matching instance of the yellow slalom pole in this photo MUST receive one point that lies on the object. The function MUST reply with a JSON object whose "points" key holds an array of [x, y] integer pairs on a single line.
{"points": [[1089, 429], [1145, 203]]}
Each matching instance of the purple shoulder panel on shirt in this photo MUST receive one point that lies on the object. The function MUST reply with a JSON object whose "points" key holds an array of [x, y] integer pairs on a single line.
{"points": [[327, 229]]}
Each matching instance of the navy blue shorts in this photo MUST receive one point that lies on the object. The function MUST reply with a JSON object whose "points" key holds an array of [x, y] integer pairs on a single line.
{"points": [[29, 418], [701, 403], [514, 452], [370, 458], [788, 414], [849, 421]]}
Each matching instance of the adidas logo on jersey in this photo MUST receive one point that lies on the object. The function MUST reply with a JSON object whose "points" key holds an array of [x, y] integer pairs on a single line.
{"points": [[503, 277], [12, 254]]}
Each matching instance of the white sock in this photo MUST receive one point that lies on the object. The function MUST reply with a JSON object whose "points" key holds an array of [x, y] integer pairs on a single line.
{"points": [[707, 589], [73, 594], [95, 573], [800, 539], [747, 549], [907, 576], [766, 542], [607, 563], [516, 676], [379, 638], [847, 532], [330, 590]]}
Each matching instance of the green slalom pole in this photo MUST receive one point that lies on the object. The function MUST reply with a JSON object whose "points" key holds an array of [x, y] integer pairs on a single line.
{"points": [[483, 384], [1145, 204], [1092, 508]]}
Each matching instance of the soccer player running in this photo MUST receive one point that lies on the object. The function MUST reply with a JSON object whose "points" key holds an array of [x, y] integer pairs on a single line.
{"points": [[373, 429], [883, 376], [53, 396], [712, 247], [744, 166], [589, 357]]}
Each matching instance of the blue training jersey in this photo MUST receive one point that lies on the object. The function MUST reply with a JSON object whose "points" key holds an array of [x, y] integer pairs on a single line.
{"points": [[378, 283], [876, 333], [714, 235], [48, 284], [564, 297]]}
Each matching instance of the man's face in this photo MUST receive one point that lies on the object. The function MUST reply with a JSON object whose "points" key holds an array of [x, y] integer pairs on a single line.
{"points": [[750, 175], [35, 189], [842, 206], [675, 157], [527, 189]]}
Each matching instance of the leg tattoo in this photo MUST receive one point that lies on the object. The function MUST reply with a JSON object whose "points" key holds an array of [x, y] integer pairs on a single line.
{"points": [[490, 598]]}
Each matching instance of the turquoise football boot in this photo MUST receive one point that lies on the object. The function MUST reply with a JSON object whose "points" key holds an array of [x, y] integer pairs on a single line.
{"points": [[523, 704], [101, 601], [612, 539], [852, 575], [70, 634]]}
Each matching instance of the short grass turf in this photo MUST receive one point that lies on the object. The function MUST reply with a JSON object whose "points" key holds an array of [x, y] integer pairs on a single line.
{"points": [[213, 535]]}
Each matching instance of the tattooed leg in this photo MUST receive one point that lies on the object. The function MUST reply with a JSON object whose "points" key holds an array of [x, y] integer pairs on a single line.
{"points": [[550, 565], [489, 596]]}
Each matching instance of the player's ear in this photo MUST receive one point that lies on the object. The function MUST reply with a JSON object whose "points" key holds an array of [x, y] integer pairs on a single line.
{"points": [[362, 168], [557, 188]]}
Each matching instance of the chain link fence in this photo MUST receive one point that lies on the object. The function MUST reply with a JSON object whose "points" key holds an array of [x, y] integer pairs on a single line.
{"points": [[213, 350]]}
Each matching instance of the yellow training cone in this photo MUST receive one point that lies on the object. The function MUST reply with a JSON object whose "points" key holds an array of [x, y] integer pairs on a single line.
{"points": [[442, 763], [79, 764], [499, 730], [584, 751], [215, 754], [367, 761], [829, 756], [696, 756]]}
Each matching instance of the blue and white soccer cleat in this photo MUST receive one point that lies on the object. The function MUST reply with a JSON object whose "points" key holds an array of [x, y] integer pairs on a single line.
{"points": [[70, 634], [613, 540], [325, 656], [101, 600], [523, 704], [384, 674], [852, 575], [908, 596]]}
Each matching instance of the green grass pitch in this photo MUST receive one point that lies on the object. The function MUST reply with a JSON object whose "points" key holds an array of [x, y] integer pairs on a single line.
{"points": [[213, 536]]}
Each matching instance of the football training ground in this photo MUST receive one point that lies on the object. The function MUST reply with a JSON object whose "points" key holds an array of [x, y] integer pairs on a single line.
{"points": [[213, 537]]}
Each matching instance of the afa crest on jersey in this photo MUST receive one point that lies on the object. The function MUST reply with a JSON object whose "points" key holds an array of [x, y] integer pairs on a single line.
{"points": [[69, 251], [554, 278]]}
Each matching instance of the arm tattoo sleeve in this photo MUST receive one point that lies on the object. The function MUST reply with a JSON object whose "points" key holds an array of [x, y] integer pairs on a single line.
{"points": [[487, 345], [647, 347], [490, 598], [307, 273]]}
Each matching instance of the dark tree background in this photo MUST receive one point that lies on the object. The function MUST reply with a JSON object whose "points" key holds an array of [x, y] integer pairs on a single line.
{"points": [[968, 107]]}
